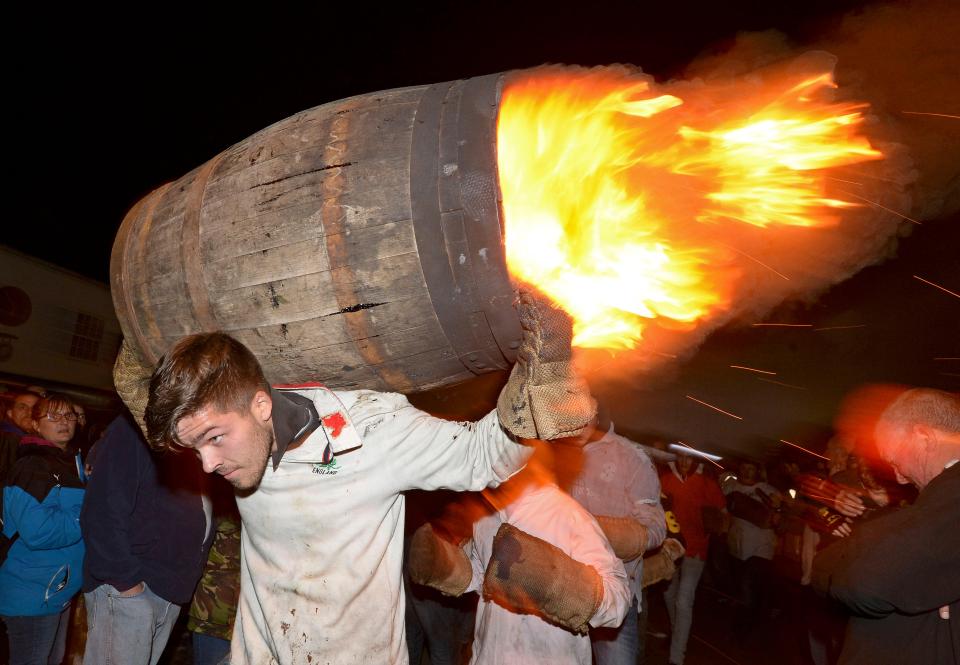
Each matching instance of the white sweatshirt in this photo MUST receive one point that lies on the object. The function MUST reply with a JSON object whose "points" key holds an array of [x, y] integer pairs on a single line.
{"points": [[322, 545], [502, 637]]}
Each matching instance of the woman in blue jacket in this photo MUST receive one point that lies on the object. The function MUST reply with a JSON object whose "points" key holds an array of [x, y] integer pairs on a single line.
{"points": [[43, 569]]}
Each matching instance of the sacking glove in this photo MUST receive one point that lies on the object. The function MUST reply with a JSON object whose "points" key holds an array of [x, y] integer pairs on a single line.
{"points": [[530, 576], [544, 397]]}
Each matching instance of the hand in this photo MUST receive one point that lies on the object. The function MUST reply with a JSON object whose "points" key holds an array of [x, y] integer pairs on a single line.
{"points": [[135, 590], [945, 612], [674, 548], [848, 503], [879, 496], [544, 397], [843, 530]]}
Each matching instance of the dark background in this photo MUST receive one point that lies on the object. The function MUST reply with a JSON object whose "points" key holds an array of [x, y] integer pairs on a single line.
{"points": [[105, 106]]}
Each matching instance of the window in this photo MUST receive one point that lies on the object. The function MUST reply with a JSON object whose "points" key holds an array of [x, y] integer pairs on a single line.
{"points": [[87, 334]]}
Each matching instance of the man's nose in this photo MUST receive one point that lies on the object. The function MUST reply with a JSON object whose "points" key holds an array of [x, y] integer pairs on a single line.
{"points": [[209, 460]]}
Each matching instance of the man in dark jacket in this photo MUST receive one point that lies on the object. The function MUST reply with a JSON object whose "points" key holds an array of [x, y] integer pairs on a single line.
{"points": [[13, 428], [899, 575], [147, 531]]}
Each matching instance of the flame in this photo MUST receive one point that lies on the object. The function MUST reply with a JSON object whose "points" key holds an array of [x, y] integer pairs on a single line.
{"points": [[608, 183]]}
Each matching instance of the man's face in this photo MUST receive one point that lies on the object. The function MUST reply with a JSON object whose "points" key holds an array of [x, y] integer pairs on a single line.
{"points": [[748, 474], [236, 445], [20, 412], [900, 450], [684, 464]]}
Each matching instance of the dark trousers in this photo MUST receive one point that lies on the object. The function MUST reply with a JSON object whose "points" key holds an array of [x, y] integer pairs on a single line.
{"points": [[754, 577], [38, 640]]}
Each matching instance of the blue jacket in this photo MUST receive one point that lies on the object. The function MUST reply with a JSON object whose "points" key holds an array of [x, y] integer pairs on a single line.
{"points": [[143, 517], [41, 507]]}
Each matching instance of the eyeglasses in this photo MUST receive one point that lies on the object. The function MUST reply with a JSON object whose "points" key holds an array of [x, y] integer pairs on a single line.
{"points": [[57, 417]]}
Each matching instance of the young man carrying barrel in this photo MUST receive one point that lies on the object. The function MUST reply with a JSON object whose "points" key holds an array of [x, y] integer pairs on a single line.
{"points": [[319, 476]]}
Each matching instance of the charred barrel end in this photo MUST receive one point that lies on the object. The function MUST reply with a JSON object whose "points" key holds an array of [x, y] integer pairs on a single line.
{"points": [[458, 220]]}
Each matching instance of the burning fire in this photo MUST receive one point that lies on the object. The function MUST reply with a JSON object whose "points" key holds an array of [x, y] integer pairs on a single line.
{"points": [[608, 185]]}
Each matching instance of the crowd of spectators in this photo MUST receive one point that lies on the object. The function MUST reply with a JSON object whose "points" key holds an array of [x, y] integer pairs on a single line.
{"points": [[564, 562], [105, 541]]}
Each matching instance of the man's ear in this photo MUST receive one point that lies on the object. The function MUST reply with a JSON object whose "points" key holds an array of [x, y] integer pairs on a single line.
{"points": [[923, 435], [262, 406]]}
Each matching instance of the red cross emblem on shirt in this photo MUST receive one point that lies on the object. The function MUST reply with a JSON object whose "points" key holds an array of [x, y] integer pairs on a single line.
{"points": [[335, 422]]}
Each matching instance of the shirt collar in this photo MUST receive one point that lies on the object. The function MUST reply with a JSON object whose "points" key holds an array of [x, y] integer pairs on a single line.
{"points": [[294, 419]]}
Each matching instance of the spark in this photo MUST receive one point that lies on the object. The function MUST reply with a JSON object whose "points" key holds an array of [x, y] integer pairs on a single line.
{"points": [[938, 115], [946, 358], [711, 406], [699, 453], [841, 327], [665, 355], [781, 383], [950, 374], [598, 367], [849, 182], [872, 176], [937, 286], [751, 369], [883, 207], [782, 325], [804, 449], [759, 262]]}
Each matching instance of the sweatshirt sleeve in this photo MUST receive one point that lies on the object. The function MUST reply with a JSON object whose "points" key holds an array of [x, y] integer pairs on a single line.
{"points": [[478, 548], [423, 452], [644, 491], [590, 546], [109, 505]]}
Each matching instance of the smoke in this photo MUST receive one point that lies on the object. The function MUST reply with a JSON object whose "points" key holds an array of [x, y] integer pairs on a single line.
{"points": [[900, 58], [903, 58]]}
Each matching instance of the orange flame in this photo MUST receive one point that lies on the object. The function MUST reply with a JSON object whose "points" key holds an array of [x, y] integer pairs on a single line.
{"points": [[605, 182]]}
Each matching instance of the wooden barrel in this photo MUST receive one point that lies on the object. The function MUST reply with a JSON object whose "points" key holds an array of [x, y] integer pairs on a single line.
{"points": [[359, 243]]}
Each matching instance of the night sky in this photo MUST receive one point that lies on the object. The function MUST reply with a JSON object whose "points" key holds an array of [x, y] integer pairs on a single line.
{"points": [[104, 107]]}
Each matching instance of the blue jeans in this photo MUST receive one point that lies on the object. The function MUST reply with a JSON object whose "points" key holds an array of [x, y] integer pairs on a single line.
{"points": [[127, 630], [38, 640], [209, 650], [617, 646], [679, 597]]}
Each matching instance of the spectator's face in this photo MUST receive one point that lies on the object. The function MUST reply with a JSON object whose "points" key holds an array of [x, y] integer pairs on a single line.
{"points": [[81, 415], [684, 464], [60, 430], [20, 412], [902, 450], [234, 445], [748, 474]]}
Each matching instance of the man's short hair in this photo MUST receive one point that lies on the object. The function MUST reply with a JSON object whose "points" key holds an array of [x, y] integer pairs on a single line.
{"points": [[11, 399], [202, 370], [922, 406]]}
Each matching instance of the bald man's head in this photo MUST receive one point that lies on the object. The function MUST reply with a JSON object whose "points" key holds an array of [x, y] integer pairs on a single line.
{"points": [[919, 433]]}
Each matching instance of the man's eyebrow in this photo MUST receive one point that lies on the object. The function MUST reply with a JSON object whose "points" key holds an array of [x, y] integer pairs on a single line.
{"points": [[193, 440]]}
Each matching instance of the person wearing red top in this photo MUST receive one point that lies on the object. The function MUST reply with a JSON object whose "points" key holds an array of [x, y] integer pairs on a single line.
{"points": [[689, 492]]}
